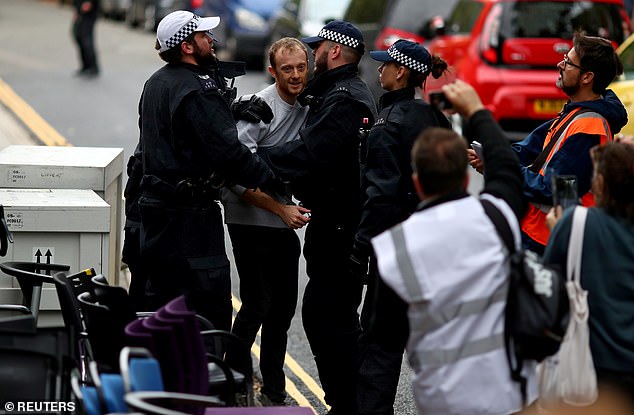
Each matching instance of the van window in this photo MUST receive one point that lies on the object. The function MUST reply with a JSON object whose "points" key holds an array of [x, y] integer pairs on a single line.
{"points": [[412, 16], [323, 10], [552, 19], [463, 17]]}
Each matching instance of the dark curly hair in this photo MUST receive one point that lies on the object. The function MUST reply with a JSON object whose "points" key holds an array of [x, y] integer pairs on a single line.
{"points": [[597, 55], [615, 163]]}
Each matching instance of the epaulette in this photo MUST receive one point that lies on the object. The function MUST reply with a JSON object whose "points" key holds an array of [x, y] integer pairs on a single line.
{"points": [[342, 89], [207, 82], [380, 121]]}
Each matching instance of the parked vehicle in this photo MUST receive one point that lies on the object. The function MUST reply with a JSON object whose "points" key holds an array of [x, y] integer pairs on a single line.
{"points": [[147, 14], [383, 22], [508, 50], [415, 20], [244, 27], [301, 18], [623, 87], [114, 9]]}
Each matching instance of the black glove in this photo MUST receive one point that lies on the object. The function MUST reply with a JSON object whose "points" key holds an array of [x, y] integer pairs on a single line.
{"points": [[254, 109], [358, 264]]}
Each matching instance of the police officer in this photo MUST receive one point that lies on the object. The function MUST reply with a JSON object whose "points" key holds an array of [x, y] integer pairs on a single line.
{"points": [[252, 110], [390, 198], [84, 19], [323, 168], [189, 149]]}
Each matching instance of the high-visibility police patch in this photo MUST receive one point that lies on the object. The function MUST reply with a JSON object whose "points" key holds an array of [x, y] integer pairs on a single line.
{"points": [[207, 82], [379, 121], [342, 89]]}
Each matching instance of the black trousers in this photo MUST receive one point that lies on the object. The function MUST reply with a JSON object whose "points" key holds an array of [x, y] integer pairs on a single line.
{"points": [[381, 346], [183, 252], [329, 311], [131, 255], [84, 34], [267, 260]]}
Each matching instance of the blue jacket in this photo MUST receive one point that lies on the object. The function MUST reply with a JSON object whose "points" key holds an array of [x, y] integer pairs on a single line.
{"points": [[573, 158]]}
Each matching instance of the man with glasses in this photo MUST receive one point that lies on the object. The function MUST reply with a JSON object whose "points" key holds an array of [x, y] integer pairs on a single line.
{"points": [[562, 146]]}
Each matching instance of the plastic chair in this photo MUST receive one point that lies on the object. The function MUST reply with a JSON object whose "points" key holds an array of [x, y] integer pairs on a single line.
{"points": [[68, 287], [137, 336], [30, 279], [86, 395], [228, 377], [155, 403], [106, 335], [170, 352], [140, 370], [115, 298], [212, 344], [35, 366], [203, 353], [16, 318]]}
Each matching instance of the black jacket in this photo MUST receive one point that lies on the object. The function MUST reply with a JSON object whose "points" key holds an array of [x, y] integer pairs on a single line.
{"points": [[389, 193], [188, 133]]}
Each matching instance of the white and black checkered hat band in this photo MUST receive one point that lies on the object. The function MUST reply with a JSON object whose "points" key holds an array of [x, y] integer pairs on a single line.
{"points": [[339, 38], [403, 59], [183, 32]]}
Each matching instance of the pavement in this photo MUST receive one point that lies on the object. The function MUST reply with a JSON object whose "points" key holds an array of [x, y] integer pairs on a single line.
{"points": [[12, 131]]}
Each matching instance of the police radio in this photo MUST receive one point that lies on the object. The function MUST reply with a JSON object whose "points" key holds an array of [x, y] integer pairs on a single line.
{"points": [[364, 131]]}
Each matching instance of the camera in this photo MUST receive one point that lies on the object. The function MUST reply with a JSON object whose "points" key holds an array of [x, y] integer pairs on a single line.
{"points": [[564, 190], [439, 100]]}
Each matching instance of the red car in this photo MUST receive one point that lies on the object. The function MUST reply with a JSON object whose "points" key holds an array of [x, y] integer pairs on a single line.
{"points": [[508, 50]]}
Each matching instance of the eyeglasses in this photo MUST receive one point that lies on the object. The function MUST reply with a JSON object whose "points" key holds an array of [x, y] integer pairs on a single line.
{"points": [[567, 61]]}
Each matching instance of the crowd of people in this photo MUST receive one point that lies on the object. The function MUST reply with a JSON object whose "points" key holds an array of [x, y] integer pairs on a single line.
{"points": [[382, 194]]}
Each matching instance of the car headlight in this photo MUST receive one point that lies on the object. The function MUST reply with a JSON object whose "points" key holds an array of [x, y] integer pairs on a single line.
{"points": [[250, 20]]}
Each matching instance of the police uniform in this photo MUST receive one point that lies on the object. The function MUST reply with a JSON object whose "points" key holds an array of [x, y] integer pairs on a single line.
{"points": [[323, 168], [190, 148], [390, 198], [131, 254], [83, 33]]}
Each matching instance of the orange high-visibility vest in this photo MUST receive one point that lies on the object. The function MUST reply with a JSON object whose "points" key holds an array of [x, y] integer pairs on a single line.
{"points": [[592, 123]]}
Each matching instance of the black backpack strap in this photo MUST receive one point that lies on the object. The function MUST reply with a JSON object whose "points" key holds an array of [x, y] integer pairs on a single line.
{"points": [[506, 234], [541, 158], [501, 224]]}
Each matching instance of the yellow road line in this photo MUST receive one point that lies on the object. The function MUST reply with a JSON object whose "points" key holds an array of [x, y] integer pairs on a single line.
{"points": [[31, 119], [291, 388]]}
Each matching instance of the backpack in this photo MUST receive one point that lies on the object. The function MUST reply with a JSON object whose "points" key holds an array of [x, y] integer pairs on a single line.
{"points": [[536, 313]]}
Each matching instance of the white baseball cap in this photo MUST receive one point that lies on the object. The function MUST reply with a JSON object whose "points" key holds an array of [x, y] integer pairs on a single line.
{"points": [[177, 25]]}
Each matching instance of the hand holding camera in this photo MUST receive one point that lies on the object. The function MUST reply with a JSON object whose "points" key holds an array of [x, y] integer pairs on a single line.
{"points": [[463, 98]]}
